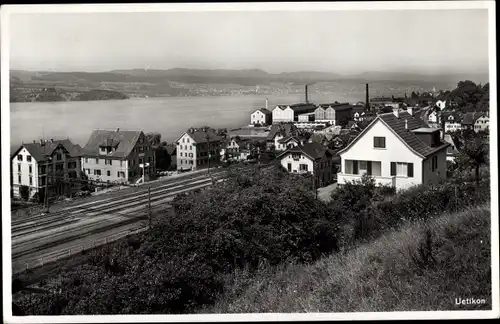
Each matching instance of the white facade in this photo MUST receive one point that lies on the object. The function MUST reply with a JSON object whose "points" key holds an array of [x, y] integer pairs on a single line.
{"points": [[433, 117], [106, 170], [482, 123], [395, 150], [24, 172], [258, 117], [186, 153], [297, 163], [283, 115], [441, 104], [292, 142]]}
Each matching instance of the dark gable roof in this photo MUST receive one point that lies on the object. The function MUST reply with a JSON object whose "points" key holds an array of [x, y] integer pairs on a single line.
{"points": [[337, 106], [264, 111], [171, 149], [303, 107], [312, 150], [40, 152], [124, 141], [284, 129], [397, 125], [200, 136], [288, 138], [455, 115], [471, 117]]}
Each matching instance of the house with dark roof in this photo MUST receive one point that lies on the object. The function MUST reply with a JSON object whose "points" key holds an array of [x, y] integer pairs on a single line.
{"points": [[118, 156], [397, 149], [198, 148], [53, 164], [311, 158], [237, 149], [451, 120], [290, 113], [476, 121], [279, 132], [261, 116]]}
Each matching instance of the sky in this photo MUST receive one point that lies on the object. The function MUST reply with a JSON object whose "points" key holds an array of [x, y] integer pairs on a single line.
{"points": [[345, 42]]}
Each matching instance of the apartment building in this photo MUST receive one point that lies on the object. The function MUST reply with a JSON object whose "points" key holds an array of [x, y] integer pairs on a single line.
{"points": [[117, 156], [198, 148], [46, 164]]}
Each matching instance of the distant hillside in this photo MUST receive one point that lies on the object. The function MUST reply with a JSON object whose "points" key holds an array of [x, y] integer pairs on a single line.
{"points": [[401, 76]]}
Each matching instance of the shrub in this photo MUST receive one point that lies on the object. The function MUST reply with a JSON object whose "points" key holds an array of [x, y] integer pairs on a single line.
{"points": [[24, 192]]}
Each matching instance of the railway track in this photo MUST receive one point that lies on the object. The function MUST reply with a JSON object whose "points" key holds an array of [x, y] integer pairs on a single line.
{"points": [[32, 220]]}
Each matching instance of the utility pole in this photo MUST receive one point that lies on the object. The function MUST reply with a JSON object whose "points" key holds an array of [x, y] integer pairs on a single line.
{"points": [[46, 203], [208, 146], [149, 207]]}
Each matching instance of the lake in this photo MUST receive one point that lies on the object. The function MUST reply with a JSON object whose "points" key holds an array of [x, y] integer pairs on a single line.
{"points": [[169, 116]]}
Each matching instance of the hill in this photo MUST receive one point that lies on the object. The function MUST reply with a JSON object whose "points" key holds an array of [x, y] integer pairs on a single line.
{"points": [[422, 267]]}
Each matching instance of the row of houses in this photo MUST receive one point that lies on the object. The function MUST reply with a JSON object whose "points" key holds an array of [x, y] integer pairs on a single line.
{"points": [[397, 149], [62, 167], [452, 121]]}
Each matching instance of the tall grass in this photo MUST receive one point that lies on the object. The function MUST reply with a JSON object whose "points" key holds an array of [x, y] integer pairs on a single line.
{"points": [[423, 266]]}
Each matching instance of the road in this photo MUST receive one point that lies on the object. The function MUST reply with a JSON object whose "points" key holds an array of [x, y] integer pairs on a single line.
{"points": [[39, 239]]}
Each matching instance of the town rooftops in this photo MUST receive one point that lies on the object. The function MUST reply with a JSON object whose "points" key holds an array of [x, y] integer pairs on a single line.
{"points": [[284, 129], [381, 99], [203, 135], [402, 127], [313, 150], [337, 106], [447, 114], [40, 151], [122, 141]]}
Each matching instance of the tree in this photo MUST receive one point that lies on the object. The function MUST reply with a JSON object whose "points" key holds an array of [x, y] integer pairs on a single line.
{"points": [[473, 155], [24, 192]]}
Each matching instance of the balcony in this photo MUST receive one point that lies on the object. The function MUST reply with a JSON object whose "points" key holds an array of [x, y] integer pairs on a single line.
{"points": [[379, 180]]}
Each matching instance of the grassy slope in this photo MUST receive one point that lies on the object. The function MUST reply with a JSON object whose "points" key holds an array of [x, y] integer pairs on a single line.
{"points": [[380, 276]]}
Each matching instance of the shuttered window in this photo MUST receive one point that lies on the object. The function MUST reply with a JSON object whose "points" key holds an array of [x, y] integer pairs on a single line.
{"points": [[393, 168], [354, 167], [410, 170]]}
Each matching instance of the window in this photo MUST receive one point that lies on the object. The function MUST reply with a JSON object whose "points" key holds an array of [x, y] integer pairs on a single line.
{"points": [[28, 158], [191, 162], [97, 172], [58, 156], [59, 166], [108, 162], [191, 147], [402, 169], [303, 167], [86, 160], [181, 153], [434, 163], [31, 169], [18, 168], [121, 163], [19, 157], [72, 165], [31, 180], [19, 179], [379, 142], [109, 173], [182, 141], [96, 160]]}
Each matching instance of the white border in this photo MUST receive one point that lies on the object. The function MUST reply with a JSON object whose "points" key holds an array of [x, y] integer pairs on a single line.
{"points": [[310, 6]]}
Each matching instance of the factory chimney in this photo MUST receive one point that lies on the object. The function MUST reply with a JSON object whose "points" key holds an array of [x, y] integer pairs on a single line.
{"points": [[267, 101], [367, 104], [307, 99]]}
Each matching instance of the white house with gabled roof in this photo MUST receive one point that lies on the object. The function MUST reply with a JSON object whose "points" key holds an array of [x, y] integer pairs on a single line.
{"points": [[397, 149]]}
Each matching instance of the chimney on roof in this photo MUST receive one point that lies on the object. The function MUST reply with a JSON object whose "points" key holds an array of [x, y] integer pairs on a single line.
{"points": [[395, 111], [52, 140], [410, 110], [406, 124], [117, 129], [367, 104], [267, 102]]}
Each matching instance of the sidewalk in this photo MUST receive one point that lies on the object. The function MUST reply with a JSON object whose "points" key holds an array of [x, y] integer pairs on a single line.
{"points": [[324, 193]]}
